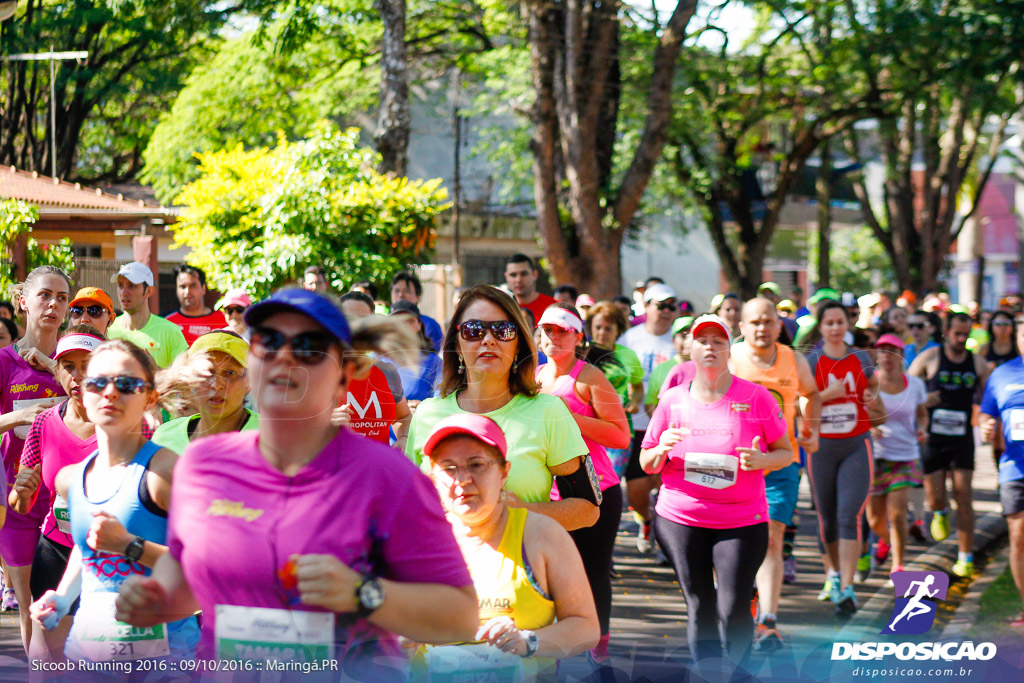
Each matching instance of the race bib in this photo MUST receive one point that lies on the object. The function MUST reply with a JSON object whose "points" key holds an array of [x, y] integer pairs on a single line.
{"points": [[61, 514], [103, 638], [260, 633], [1017, 424], [949, 422], [711, 470], [21, 431], [838, 418], [476, 662]]}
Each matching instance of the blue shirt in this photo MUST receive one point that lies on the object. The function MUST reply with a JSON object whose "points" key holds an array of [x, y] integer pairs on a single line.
{"points": [[433, 330], [1004, 399], [912, 352]]}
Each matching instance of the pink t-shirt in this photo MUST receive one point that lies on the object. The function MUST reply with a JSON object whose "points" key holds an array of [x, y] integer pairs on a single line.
{"points": [[53, 444], [703, 496], [235, 520], [680, 374], [20, 381]]}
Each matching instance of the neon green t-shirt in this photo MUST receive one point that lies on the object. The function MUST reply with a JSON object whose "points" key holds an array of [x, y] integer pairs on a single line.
{"points": [[540, 433], [658, 376], [173, 435], [163, 339]]}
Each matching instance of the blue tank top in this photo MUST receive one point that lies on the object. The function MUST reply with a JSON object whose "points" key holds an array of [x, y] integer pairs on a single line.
{"points": [[102, 572]]}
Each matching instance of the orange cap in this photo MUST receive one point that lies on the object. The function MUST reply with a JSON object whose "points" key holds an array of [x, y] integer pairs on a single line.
{"points": [[95, 295]]}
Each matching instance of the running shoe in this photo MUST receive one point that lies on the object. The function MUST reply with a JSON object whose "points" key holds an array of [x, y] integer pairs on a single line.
{"points": [[10, 601], [645, 539], [863, 568], [755, 605], [1018, 622], [831, 586], [881, 551], [895, 568], [940, 526], [963, 569], [789, 569], [766, 636], [846, 601], [917, 531]]}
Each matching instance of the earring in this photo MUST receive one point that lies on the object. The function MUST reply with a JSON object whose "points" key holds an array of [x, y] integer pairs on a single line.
{"points": [[462, 367]]}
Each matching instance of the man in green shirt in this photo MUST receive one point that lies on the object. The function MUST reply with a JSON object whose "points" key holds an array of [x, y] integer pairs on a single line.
{"points": [[162, 338]]}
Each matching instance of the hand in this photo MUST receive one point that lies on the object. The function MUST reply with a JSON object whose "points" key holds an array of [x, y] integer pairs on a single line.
{"points": [[669, 438], [501, 632], [932, 400], [142, 601], [341, 416], [27, 481], [325, 581], [50, 609], [27, 416], [108, 534], [633, 407], [922, 436], [987, 428], [751, 458], [38, 359], [808, 440]]}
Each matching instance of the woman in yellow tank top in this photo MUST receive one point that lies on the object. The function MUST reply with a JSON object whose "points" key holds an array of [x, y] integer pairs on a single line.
{"points": [[535, 604]]}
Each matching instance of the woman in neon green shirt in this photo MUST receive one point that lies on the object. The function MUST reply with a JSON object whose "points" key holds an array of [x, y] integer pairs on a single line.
{"points": [[489, 362]]}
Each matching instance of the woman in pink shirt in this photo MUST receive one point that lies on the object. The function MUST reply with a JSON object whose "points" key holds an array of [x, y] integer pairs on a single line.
{"points": [[705, 439], [597, 409], [303, 540]]}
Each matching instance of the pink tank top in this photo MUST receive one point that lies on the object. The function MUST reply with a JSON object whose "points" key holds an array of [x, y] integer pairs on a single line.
{"points": [[565, 388]]}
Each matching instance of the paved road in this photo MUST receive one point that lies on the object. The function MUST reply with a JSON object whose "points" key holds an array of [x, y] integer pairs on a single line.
{"points": [[649, 614]]}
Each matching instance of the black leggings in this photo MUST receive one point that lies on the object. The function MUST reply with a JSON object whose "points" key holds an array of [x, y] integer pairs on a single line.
{"points": [[699, 555], [596, 544]]}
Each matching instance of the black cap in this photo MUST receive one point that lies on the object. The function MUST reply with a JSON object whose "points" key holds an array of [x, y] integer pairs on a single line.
{"points": [[403, 306]]}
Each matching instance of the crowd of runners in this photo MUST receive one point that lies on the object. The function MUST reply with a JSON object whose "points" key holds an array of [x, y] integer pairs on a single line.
{"points": [[330, 479]]}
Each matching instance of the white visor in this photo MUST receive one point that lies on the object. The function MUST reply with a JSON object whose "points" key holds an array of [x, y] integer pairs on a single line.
{"points": [[75, 342], [559, 317]]}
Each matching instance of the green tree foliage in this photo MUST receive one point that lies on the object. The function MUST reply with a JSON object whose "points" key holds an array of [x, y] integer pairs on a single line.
{"points": [[16, 220], [255, 219], [858, 261]]}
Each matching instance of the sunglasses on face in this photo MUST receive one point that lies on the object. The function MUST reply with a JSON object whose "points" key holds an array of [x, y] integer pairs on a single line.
{"points": [[231, 310], [125, 384], [915, 326], [309, 348], [666, 306], [474, 330], [93, 310]]}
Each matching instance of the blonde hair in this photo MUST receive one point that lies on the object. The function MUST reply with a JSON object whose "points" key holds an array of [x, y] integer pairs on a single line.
{"points": [[17, 290]]}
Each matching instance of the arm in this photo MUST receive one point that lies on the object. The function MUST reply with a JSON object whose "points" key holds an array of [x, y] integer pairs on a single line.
{"points": [[571, 513], [982, 370], [24, 416], [922, 423], [26, 489], [53, 606], [873, 403], [808, 389], [158, 598], [636, 398], [609, 428], [780, 454], [833, 391]]}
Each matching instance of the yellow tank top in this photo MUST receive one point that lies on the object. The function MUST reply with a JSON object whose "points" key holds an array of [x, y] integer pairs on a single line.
{"points": [[781, 380]]}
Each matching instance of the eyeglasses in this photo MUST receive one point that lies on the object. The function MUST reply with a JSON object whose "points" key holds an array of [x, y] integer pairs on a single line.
{"points": [[666, 306], [474, 330], [1002, 323], [231, 310], [125, 384], [474, 468], [94, 311], [915, 326], [309, 348]]}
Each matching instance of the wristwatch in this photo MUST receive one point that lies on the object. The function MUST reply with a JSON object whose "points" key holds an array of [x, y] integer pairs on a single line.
{"points": [[135, 549], [532, 643], [369, 596]]}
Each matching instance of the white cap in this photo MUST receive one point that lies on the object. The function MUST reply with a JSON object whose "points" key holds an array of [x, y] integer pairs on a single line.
{"points": [[710, 321], [135, 273], [658, 292], [75, 342], [559, 317]]}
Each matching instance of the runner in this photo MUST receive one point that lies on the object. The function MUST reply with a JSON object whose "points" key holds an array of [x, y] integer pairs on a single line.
{"points": [[8, 332], [897, 451], [1003, 348], [340, 556], [118, 499], [314, 279], [729, 309], [1002, 410], [193, 316], [59, 436], [841, 468], [419, 381], [26, 392], [215, 382], [762, 359], [598, 413], [705, 439], [406, 286], [606, 322], [489, 368], [923, 331], [234, 304], [652, 343], [955, 378], [521, 280], [91, 306], [162, 339], [662, 371], [526, 571]]}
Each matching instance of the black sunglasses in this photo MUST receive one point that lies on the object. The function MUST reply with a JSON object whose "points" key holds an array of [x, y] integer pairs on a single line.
{"points": [[474, 330], [233, 309], [663, 306], [125, 384], [309, 348], [915, 326], [94, 311]]}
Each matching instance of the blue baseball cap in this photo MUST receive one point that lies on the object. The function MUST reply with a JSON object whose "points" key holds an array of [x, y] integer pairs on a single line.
{"points": [[316, 306]]}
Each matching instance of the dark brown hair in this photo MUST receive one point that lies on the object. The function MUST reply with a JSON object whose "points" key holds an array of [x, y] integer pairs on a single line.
{"points": [[520, 380]]}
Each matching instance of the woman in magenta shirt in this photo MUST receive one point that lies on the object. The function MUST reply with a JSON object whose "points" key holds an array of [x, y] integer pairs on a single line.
{"points": [[305, 527], [705, 438]]}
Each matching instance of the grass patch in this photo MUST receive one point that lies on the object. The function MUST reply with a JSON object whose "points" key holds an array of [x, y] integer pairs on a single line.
{"points": [[998, 603]]}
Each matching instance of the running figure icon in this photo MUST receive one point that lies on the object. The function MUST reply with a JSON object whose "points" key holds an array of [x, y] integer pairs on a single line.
{"points": [[916, 595], [915, 607]]}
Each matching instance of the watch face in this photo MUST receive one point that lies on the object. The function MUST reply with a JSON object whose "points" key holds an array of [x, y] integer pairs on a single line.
{"points": [[371, 594]]}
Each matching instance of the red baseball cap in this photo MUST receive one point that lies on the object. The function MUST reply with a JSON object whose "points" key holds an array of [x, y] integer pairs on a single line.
{"points": [[890, 340], [477, 426]]}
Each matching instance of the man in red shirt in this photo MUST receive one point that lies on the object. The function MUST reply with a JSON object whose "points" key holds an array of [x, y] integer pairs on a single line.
{"points": [[194, 317], [521, 280]]}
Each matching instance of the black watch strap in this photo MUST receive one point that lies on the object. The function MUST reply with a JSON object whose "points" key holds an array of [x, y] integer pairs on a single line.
{"points": [[135, 549]]}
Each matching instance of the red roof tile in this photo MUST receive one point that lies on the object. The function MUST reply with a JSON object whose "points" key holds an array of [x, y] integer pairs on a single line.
{"points": [[53, 193]]}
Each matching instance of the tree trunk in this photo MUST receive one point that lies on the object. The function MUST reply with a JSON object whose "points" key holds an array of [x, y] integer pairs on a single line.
{"points": [[393, 118], [823, 189]]}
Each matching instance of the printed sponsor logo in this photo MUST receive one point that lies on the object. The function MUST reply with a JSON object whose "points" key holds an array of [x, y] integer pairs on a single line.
{"points": [[232, 508]]}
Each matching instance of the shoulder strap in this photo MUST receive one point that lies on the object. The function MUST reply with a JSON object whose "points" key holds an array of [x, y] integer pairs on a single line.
{"points": [[577, 369]]}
